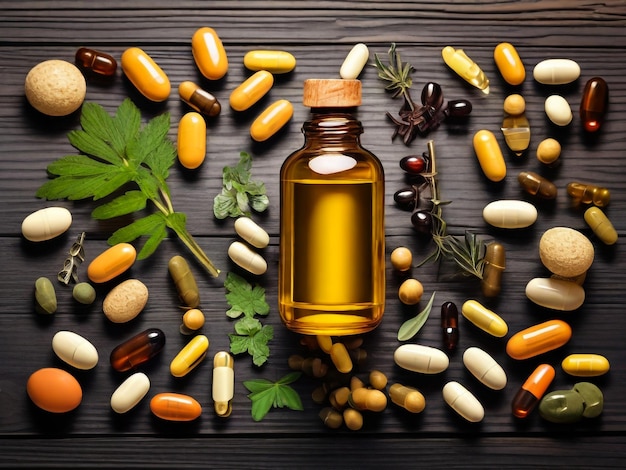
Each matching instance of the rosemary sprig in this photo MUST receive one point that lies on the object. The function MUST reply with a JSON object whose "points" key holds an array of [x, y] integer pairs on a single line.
{"points": [[468, 251], [398, 75]]}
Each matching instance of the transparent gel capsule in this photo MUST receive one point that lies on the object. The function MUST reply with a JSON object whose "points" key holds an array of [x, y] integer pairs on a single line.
{"points": [[516, 131], [537, 185], [582, 193]]}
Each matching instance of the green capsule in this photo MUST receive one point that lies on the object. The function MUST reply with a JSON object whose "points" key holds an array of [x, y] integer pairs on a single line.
{"points": [[593, 398], [45, 296], [84, 293], [562, 406], [184, 281]]}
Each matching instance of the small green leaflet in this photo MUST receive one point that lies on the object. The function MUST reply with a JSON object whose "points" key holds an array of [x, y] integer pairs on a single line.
{"points": [[252, 337], [243, 298], [266, 395], [410, 327], [239, 193]]}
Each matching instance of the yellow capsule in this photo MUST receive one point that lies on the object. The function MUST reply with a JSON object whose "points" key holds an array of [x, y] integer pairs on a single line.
{"points": [[341, 358], [209, 53], [223, 388], [585, 365], [465, 68], [601, 225], [368, 399], [191, 143], [509, 63], [489, 155], [271, 60], [112, 262], [251, 90], [325, 342], [409, 398], [271, 120], [184, 280], [145, 74], [485, 319], [199, 99], [190, 356]]}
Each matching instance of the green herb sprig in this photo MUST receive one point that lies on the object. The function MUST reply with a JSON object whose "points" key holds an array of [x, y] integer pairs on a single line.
{"points": [[250, 335], [117, 150], [266, 395]]}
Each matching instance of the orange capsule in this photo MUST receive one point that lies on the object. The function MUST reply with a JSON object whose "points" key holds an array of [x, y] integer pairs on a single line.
{"points": [[271, 120], [112, 262], [209, 53], [145, 74], [538, 339], [175, 407], [594, 104], [532, 390], [191, 144], [509, 63], [199, 99], [489, 155], [251, 90]]}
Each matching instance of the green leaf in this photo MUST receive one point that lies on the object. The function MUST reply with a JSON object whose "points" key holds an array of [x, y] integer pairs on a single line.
{"points": [[266, 395], [243, 298], [153, 242], [76, 188], [97, 123], [90, 145], [127, 123], [144, 226], [148, 139], [224, 204], [410, 327], [78, 165], [161, 159], [252, 338], [127, 203]]}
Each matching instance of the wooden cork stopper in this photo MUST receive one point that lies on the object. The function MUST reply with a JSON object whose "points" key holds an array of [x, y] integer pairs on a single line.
{"points": [[331, 93], [565, 252]]}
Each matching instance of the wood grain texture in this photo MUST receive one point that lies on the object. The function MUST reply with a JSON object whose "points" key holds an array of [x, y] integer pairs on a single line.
{"points": [[319, 34]]}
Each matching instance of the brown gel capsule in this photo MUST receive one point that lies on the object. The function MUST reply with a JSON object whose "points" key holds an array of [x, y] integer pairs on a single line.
{"points": [[95, 62], [588, 194], [450, 325], [495, 264], [537, 185], [199, 99], [594, 104], [137, 350]]}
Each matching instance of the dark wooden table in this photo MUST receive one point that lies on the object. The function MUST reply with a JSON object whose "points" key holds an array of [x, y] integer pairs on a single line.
{"points": [[319, 34]]}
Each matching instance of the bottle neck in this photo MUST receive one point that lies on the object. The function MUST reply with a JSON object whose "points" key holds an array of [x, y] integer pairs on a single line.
{"points": [[331, 125]]}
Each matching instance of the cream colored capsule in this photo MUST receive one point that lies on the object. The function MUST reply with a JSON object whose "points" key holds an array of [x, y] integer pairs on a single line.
{"points": [[601, 225], [354, 62], [190, 356], [484, 368], [223, 388], [246, 258], [557, 294], [556, 71], [191, 143], [247, 229], [46, 224], [489, 155], [585, 365], [130, 392], [75, 350], [558, 110], [485, 319], [463, 402], [509, 213], [419, 358]]}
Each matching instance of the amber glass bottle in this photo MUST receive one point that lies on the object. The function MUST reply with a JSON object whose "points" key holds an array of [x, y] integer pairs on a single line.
{"points": [[332, 236]]}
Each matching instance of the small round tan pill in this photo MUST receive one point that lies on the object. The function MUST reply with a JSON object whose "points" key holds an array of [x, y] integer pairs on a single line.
{"points": [[565, 251], [410, 292], [353, 419], [378, 380], [548, 151], [193, 319], [401, 259], [514, 104], [55, 87]]}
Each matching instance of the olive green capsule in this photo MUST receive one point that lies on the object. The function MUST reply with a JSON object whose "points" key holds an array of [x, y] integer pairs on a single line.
{"points": [[184, 281], [562, 406], [84, 293], [593, 398], [495, 264], [45, 296]]}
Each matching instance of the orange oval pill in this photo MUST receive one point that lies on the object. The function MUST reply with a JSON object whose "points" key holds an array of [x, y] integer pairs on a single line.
{"points": [[489, 155], [509, 63], [54, 390], [209, 53], [112, 262], [175, 407], [251, 90], [271, 120], [538, 339], [191, 144], [145, 74]]}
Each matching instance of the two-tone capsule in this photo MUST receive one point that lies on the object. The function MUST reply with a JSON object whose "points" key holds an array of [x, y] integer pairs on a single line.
{"points": [[531, 391], [209, 53], [199, 99], [601, 225], [485, 319], [594, 104], [489, 155], [494, 266], [95, 62], [582, 193], [144, 73], [450, 325], [538, 339], [190, 356], [537, 185], [251, 90], [191, 143], [137, 350], [223, 388]]}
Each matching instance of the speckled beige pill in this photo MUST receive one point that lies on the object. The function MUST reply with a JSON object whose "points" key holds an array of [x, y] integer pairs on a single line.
{"points": [[125, 301], [565, 251], [55, 87]]}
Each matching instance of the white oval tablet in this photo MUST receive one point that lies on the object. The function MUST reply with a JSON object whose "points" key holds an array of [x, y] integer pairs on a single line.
{"points": [[556, 71], [557, 294], [354, 62], [484, 368], [130, 392], [247, 229], [463, 402], [75, 350], [558, 110], [418, 358], [509, 213], [243, 256], [46, 224]]}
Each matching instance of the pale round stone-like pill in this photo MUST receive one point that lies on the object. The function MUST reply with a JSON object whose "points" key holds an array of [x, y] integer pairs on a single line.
{"points": [[125, 301], [558, 110], [55, 87], [565, 251], [84, 293]]}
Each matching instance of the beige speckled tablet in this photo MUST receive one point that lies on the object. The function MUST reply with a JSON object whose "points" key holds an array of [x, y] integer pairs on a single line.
{"points": [[565, 251], [125, 301], [55, 87]]}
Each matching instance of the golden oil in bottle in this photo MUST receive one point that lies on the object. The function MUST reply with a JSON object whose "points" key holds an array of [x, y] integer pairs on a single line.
{"points": [[332, 237]]}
